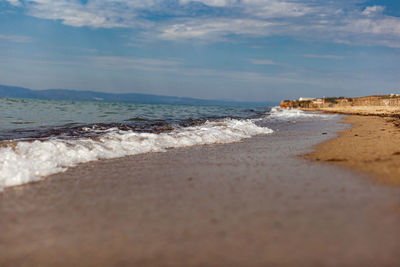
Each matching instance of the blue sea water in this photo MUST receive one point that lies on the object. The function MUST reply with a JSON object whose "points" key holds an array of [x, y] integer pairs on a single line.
{"points": [[33, 118], [43, 137]]}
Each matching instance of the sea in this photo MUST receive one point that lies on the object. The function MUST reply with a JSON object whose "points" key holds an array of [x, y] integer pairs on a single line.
{"points": [[43, 137]]}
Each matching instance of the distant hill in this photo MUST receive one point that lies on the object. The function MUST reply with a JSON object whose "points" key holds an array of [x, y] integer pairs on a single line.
{"points": [[64, 94]]}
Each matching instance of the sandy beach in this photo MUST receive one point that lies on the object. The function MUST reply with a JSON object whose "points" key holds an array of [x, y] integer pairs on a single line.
{"points": [[199, 133], [371, 145], [382, 111], [221, 205]]}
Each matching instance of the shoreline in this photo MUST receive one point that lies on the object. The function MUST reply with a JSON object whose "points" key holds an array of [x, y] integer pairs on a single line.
{"points": [[380, 111], [253, 203], [371, 146]]}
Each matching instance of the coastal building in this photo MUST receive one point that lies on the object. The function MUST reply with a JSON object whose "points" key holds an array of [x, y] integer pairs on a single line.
{"points": [[392, 100], [318, 101], [306, 98]]}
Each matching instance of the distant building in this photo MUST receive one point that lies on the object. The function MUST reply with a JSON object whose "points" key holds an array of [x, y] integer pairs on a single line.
{"points": [[306, 98], [392, 100]]}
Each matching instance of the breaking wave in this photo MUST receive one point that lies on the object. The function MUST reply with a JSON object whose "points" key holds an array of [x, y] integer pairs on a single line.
{"points": [[27, 161], [277, 114]]}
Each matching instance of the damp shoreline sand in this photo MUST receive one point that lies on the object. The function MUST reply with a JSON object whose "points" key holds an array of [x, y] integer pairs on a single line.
{"points": [[253, 203], [371, 145]]}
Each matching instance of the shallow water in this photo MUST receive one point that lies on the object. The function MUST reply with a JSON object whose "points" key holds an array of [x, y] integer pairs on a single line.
{"points": [[42, 137], [252, 203], [34, 118]]}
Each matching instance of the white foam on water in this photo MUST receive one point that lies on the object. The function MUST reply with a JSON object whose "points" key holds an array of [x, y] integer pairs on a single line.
{"points": [[278, 114], [30, 161]]}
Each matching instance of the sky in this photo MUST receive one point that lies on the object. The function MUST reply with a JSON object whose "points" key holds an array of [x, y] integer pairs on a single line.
{"points": [[246, 50]]}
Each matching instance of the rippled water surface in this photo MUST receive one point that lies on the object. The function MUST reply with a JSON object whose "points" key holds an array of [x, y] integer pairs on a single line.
{"points": [[43, 137], [33, 118]]}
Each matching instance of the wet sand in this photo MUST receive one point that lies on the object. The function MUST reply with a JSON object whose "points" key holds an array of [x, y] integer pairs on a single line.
{"points": [[253, 203], [371, 145]]}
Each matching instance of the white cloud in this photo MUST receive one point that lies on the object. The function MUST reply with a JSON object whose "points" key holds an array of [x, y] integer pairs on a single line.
{"points": [[383, 30], [338, 21], [261, 8], [16, 38], [324, 56], [262, 62], [215, 29], [14, 2], [373, 10], [119, 62], [114, 63], [276, 8], [218, 3], [95, 13], [382, 26]]}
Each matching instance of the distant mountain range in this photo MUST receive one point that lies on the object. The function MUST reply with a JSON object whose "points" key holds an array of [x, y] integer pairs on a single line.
{"points": [[64, 94]]}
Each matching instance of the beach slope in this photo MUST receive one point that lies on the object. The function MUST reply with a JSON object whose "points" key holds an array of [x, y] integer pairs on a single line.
{"points": [[241, 204], [370, 145]]}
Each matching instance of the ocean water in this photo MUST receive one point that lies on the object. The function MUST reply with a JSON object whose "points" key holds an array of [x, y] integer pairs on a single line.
{"points": [[43, 137]]}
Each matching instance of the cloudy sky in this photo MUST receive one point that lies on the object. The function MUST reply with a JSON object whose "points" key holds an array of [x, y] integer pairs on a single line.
{"points": [[253, 50]]}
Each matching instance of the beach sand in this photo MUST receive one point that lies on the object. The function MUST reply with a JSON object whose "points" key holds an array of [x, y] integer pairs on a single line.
{"points": [[371, 145], [384, 111], [254, 203]]}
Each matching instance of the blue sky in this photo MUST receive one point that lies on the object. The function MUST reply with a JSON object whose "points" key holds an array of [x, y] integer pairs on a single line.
{"points": [[250, 50]]}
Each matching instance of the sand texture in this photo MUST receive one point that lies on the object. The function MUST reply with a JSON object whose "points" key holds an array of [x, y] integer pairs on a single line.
{"points": [[385, 111], [371, 145], [253, 203]]}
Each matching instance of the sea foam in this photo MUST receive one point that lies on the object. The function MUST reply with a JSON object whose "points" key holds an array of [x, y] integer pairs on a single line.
{"points": [[278, 114], [28, 161]]}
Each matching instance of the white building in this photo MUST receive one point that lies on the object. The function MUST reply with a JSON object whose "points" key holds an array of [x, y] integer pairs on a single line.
{"points": [[306, 98]]}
